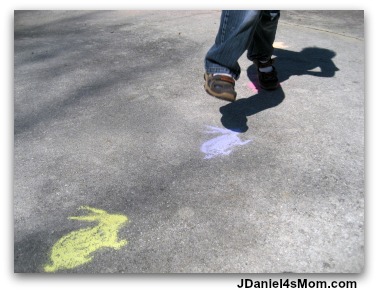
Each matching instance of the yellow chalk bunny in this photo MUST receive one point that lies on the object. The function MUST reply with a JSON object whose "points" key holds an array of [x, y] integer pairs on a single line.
{"points": [[75, 248]]}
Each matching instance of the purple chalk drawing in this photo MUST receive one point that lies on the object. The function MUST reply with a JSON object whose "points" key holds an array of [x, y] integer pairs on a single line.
{"points": [[221, 145]]}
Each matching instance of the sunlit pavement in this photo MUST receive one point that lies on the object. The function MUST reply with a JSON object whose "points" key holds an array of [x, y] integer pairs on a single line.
{"points": [[123, 163]]}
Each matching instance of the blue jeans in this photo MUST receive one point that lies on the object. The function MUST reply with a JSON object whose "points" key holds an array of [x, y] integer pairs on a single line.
{"points": [[239, 31]]}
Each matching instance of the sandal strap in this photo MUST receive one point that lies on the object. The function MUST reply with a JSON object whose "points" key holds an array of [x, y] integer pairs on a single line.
{"points": [[224, 79], [264, 65]]}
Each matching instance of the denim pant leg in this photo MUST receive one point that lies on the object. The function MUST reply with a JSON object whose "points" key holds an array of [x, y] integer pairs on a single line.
{"points": [[261, 46], [233, 39]]}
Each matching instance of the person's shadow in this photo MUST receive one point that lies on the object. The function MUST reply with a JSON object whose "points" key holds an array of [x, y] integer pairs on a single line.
{"points": [[288, 63]]}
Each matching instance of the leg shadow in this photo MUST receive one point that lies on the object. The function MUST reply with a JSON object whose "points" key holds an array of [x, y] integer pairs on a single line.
{"points": [[289, 63], [234, 115]]}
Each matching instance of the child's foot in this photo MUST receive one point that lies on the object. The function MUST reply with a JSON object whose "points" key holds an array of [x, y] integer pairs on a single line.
{"points": [[220, 86], [267, 74]]}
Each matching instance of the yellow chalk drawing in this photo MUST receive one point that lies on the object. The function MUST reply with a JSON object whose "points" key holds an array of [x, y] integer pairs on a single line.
{"points": [[279, 44], [75, 248]]}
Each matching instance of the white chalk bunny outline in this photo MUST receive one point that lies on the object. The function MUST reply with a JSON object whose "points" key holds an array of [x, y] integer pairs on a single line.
{"points": [[223, 144]]}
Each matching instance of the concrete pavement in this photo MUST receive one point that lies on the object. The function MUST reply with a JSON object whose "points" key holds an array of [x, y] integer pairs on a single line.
{"points": [[110, 113]]}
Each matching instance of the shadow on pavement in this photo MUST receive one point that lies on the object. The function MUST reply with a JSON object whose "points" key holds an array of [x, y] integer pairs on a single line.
{"points": [[289, 63]]}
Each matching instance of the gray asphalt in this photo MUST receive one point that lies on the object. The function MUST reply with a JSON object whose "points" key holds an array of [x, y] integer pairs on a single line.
{"points": [[110, 113]]}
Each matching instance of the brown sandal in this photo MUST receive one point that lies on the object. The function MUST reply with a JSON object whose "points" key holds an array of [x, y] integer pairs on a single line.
{"points": [[220, 86]]}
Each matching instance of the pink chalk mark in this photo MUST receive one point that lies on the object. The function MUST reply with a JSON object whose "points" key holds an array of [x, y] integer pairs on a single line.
{"points": [[253, 87]]}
